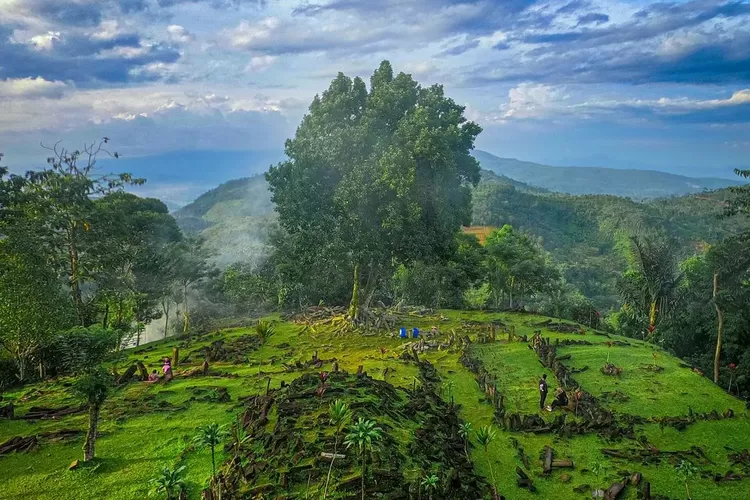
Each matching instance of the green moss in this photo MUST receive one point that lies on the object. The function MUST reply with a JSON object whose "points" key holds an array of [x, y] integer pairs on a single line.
{"points": [[146, 426]]}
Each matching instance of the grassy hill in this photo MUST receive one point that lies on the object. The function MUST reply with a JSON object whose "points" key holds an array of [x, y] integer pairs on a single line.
{"points": [[636, 184], [652, 417]]}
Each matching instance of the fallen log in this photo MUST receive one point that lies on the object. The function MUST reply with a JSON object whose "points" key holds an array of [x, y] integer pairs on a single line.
{"points": [[614, 491], [38, 412], [547, 460], [18, 443], [331, 456], [566, 463], [644, 493], [524, 481], [7, 411], [125, 377]]}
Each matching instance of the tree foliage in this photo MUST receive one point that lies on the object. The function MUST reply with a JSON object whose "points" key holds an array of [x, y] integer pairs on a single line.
{"points": [[368, 170]]}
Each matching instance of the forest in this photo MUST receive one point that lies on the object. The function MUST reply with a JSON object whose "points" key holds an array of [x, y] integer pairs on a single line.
{"points": [[362, 230]]}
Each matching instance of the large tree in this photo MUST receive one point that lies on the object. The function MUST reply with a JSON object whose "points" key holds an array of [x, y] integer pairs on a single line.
{"points": [[375, 178], [58, 204]]}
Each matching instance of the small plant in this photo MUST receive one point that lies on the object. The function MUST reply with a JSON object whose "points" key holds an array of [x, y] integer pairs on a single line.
{"points": [[485, 436], [340, 415], [210, 436], [597, 468], [464, 430], [265, 330], [365, 435], [450, 386], [686, 471], [239, 437], [430, 484], [169, 483]]}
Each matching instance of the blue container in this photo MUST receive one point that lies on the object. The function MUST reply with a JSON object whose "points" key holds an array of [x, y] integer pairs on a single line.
{"points": [[415, 332], [403, 332]]}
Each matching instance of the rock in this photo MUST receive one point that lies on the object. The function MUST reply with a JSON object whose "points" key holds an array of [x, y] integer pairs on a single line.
{"points": [[565, 478], [74, 465]]}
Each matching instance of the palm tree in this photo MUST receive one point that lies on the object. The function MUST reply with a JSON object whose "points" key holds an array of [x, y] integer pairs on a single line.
{"points": [[485, 436], [430, 484], [340, 415], [169, 482], [651, 283], [93, 388], [210, 436], [464, 430], [364, 435]]}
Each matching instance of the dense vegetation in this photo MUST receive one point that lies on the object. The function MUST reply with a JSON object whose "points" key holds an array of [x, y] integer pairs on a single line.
{"points": [[368, 211]]}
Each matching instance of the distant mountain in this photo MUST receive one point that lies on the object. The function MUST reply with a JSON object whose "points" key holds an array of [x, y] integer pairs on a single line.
{"points": [[636, 184], [235, 218]]}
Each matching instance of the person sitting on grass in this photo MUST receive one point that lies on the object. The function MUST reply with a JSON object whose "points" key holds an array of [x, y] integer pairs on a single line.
{"points": [[153, 377], [167, 369], [561, 400]]}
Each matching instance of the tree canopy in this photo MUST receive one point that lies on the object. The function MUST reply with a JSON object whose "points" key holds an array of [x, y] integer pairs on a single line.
{"points": [[374, 178]]}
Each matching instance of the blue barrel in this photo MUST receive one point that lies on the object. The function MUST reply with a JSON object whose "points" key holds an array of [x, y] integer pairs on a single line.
{"points": [[415, 332], [403, 332]]}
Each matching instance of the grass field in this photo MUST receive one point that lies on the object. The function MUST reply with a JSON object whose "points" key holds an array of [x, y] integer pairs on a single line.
{"points": [[147, 426]]}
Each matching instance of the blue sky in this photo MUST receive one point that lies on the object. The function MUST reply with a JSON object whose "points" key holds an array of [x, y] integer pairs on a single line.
{"points": [[621, 83]]}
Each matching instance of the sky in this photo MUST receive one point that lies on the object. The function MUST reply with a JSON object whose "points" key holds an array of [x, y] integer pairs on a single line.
{"points": [[195, 92]]}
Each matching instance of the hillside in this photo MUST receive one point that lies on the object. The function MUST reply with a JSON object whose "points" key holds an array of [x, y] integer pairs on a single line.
{"points": [[656, 404], [636, 184], [579, 231], [235, 219]]}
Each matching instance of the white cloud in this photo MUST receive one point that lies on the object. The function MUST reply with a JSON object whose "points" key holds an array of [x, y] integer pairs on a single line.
{"points": [[46, 41], [26, 88], [246, 35], [178, 34], [260, 63], [530, 100]]}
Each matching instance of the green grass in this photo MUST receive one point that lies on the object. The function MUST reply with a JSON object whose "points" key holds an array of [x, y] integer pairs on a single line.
{"points": [[145, 427], [651, 394]]}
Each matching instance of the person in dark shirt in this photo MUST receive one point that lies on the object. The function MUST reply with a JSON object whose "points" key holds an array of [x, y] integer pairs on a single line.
{"points": [[561, 399], [542, 391]]}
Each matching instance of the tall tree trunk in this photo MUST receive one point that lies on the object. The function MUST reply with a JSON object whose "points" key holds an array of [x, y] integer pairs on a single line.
{"points": [[186, 314], [354, 304], [105, 319], [370, 287], [74, 278], [165, 306], [720, 328], [89, 444]]}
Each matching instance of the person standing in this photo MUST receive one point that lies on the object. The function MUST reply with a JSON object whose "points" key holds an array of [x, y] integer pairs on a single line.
{"points": [[542, 391]]}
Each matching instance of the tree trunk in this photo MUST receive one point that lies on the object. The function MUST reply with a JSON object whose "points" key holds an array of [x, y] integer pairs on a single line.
{"points": [[89, 444], [372, 281], [186, 318], [74, 279], [165, 307], [330, 467], [354, 304], [105, 319], [720, 328], [364, 469]]}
